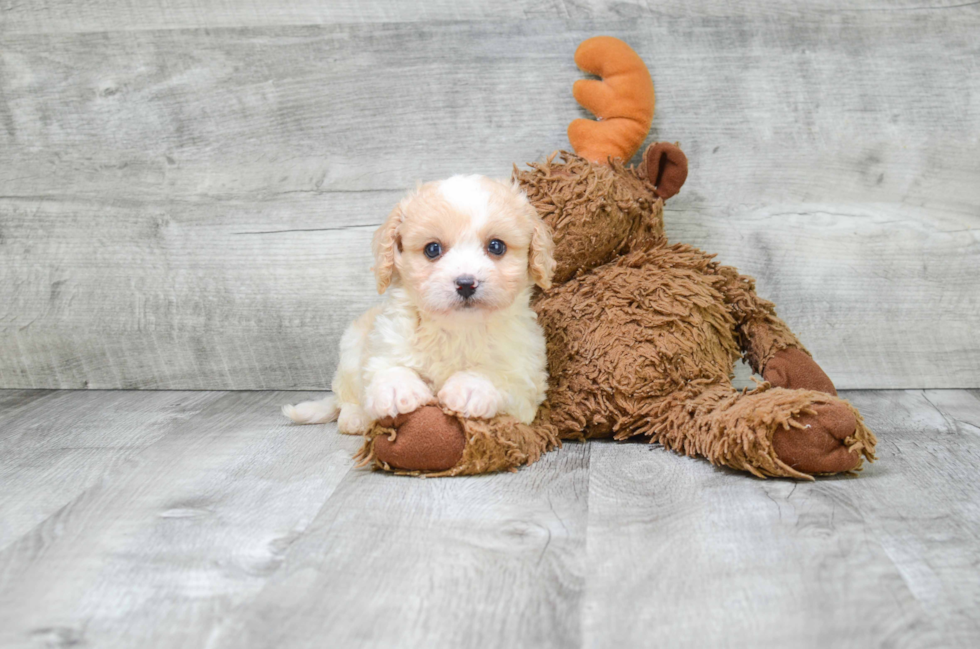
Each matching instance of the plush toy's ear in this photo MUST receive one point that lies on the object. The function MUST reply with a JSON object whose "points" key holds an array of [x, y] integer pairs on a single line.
{"points": [[665, 166], [385, 247], [541, 255]]}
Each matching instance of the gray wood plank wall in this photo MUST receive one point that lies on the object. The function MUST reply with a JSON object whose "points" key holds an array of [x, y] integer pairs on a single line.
{"points": [[188, 189]]}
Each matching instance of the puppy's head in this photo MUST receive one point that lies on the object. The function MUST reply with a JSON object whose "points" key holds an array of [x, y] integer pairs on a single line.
{"points": [[468, 243]]}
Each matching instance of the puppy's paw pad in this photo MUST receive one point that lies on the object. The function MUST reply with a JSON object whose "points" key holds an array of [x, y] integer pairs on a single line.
{"points": [[379, 402], [407, 401], [408, 398], [353, 420], [482, 404], [470, 396], [398, 392], [454, 397]]}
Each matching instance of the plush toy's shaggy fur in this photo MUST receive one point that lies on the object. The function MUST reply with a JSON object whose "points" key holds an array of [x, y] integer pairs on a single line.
{"points": [[642, 335]]}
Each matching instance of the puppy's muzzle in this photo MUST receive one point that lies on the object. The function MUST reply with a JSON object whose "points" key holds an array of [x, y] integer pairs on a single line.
{"points": [[466, 286]]}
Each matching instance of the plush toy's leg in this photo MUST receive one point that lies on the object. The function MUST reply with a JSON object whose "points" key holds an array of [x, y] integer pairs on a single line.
{"points": [[793, 368], [436, 443], [766, 342], [767, 431], [424, 440]]}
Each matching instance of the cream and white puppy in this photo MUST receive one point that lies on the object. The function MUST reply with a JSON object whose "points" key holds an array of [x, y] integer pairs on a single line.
{"points": [[459, 259]]}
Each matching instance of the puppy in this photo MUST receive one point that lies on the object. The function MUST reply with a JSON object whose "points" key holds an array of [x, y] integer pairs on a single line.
{"points": [[459, 259]]}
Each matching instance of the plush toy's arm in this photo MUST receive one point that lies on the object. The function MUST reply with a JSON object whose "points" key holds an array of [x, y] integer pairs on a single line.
{"points": [[432, 442], [766, 342], [760, 333]]}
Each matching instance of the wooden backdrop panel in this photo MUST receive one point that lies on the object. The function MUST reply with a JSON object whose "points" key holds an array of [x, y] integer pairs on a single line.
{"points": [[46, 16], [185, 206]]}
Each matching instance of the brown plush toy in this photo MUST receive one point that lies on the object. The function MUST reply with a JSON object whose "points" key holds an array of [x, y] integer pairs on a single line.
{"points": [[642, 334]]}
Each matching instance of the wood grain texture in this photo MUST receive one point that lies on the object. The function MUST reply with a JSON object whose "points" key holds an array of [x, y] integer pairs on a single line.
{"points": [[495, 561], [923, 510], [160, 542], [47, 16], [59, 444], [179, 519], [251, 294], [884, 559], [833, 156]]}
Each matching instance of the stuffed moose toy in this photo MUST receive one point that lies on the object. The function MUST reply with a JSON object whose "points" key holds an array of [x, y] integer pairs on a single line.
{"points": [[642, 335]]}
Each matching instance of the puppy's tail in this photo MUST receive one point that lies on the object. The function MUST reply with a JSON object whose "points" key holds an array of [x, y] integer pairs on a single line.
{"points": [[314, 412]]}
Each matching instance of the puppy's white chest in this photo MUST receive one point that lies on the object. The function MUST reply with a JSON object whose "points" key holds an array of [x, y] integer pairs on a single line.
{"points": [[440, 353]]}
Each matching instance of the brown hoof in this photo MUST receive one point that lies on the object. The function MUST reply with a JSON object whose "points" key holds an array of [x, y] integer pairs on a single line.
{"points": [[426, 440], [793, 369], [819, 447]]}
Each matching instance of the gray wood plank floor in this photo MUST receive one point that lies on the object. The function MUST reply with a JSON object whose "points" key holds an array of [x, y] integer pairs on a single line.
{"points": [[203, 519]]}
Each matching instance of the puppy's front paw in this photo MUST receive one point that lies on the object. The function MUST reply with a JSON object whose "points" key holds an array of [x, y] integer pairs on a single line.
{"points": [[394, 392], [353, 420], [471, 395]]}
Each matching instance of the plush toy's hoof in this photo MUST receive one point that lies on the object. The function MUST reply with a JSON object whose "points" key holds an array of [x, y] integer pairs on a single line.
{"points": [[426, 440], [819, 447], [793, 369]]}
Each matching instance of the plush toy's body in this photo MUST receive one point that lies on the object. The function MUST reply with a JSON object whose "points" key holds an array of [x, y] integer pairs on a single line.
{"points": [[642, 335]]}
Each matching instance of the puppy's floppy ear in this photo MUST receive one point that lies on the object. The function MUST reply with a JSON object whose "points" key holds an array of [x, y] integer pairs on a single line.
{"points": [[385, 247], [540, 256]]}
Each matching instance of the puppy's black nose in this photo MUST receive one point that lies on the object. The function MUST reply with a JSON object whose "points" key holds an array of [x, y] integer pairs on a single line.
{"points": [[465, 286]]}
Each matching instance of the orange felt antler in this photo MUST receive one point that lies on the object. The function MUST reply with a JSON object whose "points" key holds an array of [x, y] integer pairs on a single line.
{"points": [[622, 101]]}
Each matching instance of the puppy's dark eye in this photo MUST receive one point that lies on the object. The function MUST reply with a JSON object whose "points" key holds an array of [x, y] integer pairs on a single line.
{"points": [[432, 250], [496, 247]]}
